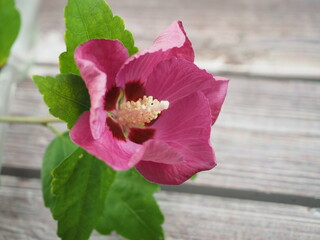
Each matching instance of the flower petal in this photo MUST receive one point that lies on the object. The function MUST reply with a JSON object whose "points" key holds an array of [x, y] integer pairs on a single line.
{"points": [[116, 129], [174, 38], [185, 127], [141, 135], [111, 98], [158, 152], [134, 90], [216, 95], [173, 42], [99, 61], [175, 78], [116, 153]]}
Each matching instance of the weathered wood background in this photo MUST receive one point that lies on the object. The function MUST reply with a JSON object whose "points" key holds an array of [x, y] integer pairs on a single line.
{"points": [[267, 138]]}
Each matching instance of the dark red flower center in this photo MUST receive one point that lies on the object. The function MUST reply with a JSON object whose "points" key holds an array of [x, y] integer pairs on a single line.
{"points": [[130, 111], [134, 90]]}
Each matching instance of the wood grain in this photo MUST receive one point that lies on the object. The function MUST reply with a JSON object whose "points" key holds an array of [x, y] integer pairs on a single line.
{"points": [[187, 216], [267, 37], [266, 138], [23, 215]]}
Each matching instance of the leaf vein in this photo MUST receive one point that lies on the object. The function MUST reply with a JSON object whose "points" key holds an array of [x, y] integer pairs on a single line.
{"points": [[136, 215], [66, 97], [83, 22]]}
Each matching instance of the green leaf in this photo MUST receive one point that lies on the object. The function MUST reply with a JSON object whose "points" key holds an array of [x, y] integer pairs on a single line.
{"points": [[128, 206], [131, 210], [58, 150], [9, 28], [66, 96], [91, 19], [80, 185], [194, 177]]}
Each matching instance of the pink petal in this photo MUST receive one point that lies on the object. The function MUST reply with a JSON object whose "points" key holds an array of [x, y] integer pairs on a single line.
{"points": [[99, 61], [116, 153], [158, 152], [216, 95], [185, 127], [174, 38], [173, 42], [174, 79]]}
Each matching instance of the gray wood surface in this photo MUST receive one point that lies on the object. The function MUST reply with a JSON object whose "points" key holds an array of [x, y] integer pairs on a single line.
{"points": [[187, 216], [274, 38], [266, 138]]}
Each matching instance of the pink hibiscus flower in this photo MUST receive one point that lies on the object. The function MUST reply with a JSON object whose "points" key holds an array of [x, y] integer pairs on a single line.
{"points": [[153, 110]]}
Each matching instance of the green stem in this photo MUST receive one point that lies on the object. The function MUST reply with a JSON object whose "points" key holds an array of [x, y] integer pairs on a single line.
{"points": [[54, 130], [45, 121], [29, 120]]}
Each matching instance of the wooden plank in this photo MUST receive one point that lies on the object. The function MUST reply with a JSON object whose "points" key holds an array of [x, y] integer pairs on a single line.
{"points": [[187, 216], [266, 138], [245, 36], [252, 103], [268, 162], [272, 105], [23, 215]]}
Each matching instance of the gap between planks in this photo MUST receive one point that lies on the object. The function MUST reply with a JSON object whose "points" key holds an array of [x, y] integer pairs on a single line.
{"points": [[193, 188], [188, 216], [266, 139]]}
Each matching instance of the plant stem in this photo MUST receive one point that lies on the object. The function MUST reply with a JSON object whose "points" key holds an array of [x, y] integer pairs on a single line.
{"points": [[44, 121], [29, 120], [54, 130]]}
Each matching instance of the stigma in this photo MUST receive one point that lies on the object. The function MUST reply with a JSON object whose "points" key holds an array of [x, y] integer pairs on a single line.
{"points": [[138, 113]]}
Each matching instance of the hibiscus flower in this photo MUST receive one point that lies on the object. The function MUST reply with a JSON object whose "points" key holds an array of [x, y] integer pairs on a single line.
{"points": [[152, 110]]}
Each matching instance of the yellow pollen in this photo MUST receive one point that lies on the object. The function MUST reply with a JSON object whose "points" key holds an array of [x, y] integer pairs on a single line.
{"points": [[144, 110]]}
